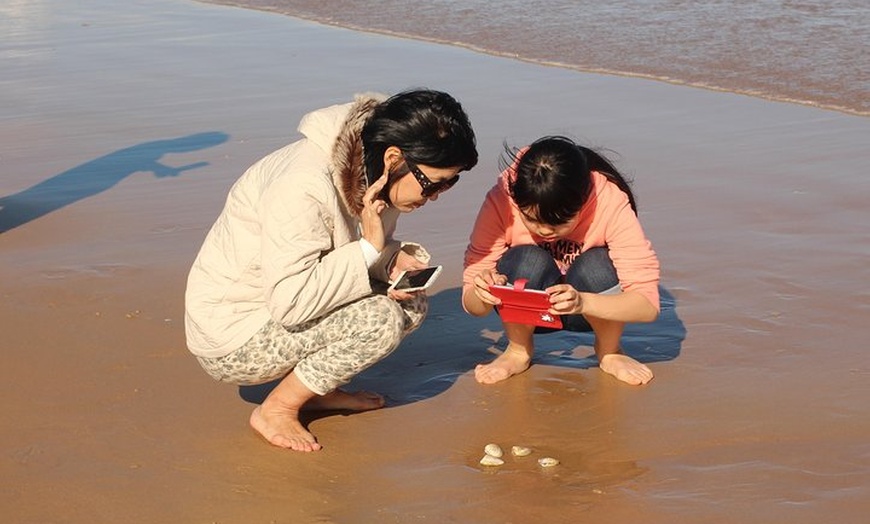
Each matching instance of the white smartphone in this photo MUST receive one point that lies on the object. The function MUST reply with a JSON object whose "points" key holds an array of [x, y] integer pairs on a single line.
{"points": [[416, 279]]}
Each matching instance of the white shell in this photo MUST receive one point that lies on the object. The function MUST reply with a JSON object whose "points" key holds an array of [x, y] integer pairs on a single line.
{"points": [[493, 450], [520, 451], [489, 460], [548, 462]]}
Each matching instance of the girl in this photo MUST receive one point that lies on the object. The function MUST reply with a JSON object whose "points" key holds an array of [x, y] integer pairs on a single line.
{"points": [[562, 217]]}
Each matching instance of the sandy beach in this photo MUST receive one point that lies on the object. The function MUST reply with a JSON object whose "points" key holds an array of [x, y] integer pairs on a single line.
{"points": [[123, 127]]}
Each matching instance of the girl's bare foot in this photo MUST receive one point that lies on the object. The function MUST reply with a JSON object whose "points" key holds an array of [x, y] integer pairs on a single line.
{"points": [[281, 427], [512, 362], [625, 369], [339, 399]]}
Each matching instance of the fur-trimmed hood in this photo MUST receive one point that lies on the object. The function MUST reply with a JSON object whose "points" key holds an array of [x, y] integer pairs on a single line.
{"points": [[349, 174], [338, 129]]}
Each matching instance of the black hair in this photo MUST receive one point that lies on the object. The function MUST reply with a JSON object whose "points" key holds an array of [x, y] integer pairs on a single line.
{"points": [[553, 177], [430, 127]]}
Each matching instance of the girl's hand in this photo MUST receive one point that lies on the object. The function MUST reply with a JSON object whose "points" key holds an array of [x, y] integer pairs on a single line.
{"points": [[483, 280], [370, 217], [565, 300]]}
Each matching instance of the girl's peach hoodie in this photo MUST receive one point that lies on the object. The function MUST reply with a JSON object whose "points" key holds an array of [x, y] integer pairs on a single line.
{"points": [[605, 220]]}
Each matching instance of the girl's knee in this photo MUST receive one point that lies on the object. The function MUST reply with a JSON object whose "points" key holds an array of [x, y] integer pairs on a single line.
{"points": [[595, 257], [532, 263], [593, 271], [525, 255]]}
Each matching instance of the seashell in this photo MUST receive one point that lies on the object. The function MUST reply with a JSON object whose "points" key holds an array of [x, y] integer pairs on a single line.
{"points": [[493, 450], [489, 460], [548, 462], [520, 451]]}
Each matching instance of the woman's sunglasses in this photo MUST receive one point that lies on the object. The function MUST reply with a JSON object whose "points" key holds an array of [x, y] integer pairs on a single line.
{"points": [[429, 187]]}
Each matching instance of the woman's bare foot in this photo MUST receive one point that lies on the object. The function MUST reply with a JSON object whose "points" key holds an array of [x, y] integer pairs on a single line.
{"points": [[512, 362], [277, 418], [625, 369], [340, 399], [280, 426]]}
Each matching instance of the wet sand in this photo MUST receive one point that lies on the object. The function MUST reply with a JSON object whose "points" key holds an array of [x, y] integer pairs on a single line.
{"points": [[123, 128]]}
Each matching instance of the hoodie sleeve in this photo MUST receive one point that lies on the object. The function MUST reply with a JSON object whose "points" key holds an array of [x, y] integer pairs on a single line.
{"points": [[489, 237], [636, 263], [381, 269]]}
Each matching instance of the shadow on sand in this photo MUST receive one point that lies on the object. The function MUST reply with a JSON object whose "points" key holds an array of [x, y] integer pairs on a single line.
{"points": [[451, 343], [100, 174]]}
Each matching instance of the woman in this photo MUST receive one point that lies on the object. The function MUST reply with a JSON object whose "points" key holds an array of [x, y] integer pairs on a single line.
{"points": [[563, 218], [291, 279]]}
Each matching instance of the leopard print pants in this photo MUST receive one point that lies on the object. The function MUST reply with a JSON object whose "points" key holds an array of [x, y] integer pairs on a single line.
{"points": [[325, 352]]}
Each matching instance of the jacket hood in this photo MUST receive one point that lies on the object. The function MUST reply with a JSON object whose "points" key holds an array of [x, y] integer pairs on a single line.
{"points": [[338, 128]]}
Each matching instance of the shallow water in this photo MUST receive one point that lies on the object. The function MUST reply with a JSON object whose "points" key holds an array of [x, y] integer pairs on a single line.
{"points": [[810, 52]]}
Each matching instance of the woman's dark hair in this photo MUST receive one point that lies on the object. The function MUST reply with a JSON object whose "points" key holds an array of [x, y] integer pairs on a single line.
{"points": [[553, 176], [430, 127]]}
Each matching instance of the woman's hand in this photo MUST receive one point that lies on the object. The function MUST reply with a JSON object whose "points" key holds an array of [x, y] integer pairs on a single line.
{"points": [[483, 280], [565, 300], [399, 295], [403, 262], [370, 218]]}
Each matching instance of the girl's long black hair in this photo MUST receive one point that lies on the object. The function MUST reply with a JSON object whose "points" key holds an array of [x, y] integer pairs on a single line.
{"points": [[553, 177]]}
